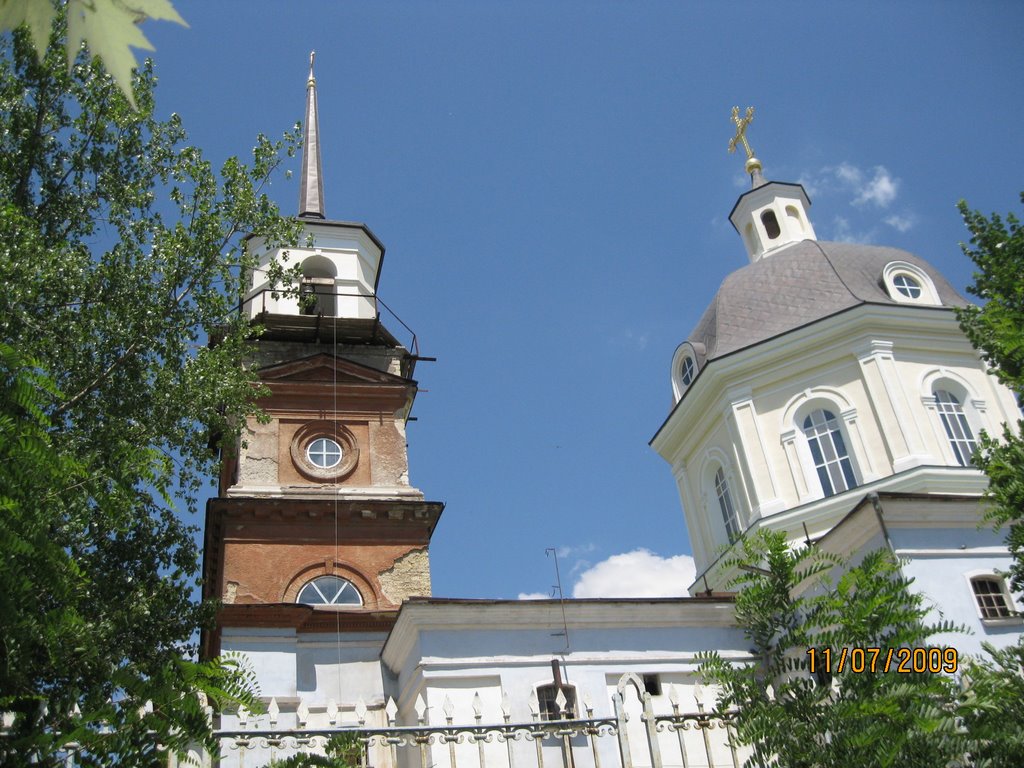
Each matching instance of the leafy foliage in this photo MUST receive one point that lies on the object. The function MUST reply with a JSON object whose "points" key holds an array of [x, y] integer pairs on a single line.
{"points": [[788, 604], [993, 706], [120, 254], [997, 329], [110, 28], [342, 751]]}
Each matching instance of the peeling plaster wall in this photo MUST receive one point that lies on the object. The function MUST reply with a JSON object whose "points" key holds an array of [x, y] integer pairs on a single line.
{"points": [[408, 577], [390, 463], [258, 459]]}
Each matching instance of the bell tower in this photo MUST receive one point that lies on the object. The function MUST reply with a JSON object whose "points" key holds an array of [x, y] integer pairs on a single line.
{"points": [[316, 526]]}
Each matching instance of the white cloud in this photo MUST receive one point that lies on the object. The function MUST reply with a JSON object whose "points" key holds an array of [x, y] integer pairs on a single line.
{"points": [[878, 186], [900, 223], [849, 174], [533, 596], [639, 573], [881, 190], [576, 550]]}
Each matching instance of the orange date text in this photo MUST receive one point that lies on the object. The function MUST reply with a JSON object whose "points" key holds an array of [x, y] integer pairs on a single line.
{"points": [[836, 661]]}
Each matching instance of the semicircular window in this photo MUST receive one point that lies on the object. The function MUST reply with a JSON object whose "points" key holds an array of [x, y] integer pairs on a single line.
{"points": [[329, 590]]}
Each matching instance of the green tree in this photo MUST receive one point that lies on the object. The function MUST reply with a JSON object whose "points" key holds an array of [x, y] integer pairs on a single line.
{"points": [[121, 254], [788, 604], [996, 328], [992, 707], [110, 29], [341, 751]]}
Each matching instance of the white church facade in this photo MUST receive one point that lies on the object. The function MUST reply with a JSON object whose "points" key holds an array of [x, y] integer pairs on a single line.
{"points": [[827, 392]]}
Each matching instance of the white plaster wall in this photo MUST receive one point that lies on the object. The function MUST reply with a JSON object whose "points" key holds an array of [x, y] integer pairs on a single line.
{"points": [[356, 260], [938, 561]]}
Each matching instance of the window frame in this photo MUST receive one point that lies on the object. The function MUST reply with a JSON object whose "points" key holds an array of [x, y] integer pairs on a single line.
{"points": [[847, 469], [685, 351], [307, 434], [973, 407], [1009, 601], [727, 505], [953, 416], [927, 295], [332, 604]]}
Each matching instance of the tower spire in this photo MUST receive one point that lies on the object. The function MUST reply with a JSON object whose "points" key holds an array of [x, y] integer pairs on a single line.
{"points": [[311, 181]]}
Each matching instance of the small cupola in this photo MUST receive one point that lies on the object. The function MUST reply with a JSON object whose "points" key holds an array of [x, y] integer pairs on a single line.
{"points": [[772, 214], [339, 261]]}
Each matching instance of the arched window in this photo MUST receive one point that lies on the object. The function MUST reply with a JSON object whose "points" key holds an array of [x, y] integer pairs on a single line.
{"points": [[991, 597], [954, 421], [685, 367], [317, 292], [726, 505], [828, 450], [329, 590]]}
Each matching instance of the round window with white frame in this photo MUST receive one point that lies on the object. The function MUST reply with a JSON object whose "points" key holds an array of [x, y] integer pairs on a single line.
{"points": [[324, 451], [908, 283]]}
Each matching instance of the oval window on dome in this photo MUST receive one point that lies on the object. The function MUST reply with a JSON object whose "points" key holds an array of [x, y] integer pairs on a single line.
{"points": [[907, 285], [687, 370]]}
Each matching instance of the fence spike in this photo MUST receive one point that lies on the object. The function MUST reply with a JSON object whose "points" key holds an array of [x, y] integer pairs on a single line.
{"points": [[588, 705], [391, 710], [478, 705], [302, 713], [506, 704], [332, 711], [361, 711], [673, 695], [560, 702], [420, 706], [448, 708], [273, 710], [698, 694], [243, 715], [534, 703]]}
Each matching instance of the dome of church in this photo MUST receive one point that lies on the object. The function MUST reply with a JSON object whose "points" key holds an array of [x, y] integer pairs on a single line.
{"points": [[808, 281]]}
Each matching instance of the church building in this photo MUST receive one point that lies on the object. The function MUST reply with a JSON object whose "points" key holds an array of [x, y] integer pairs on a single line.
{"points": [[826, 391]]}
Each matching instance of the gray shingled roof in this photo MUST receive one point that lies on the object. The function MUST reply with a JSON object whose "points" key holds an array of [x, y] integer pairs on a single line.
{"points": [[803, 283]]}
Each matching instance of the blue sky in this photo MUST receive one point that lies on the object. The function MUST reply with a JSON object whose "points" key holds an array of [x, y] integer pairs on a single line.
{"points": [[552, 185]]}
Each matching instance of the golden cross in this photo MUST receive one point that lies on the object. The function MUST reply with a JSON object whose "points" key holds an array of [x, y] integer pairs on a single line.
{"points": [[741, 130]]}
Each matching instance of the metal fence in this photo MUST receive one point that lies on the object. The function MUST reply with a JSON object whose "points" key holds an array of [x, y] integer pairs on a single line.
{"points": [[634, 737]]}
